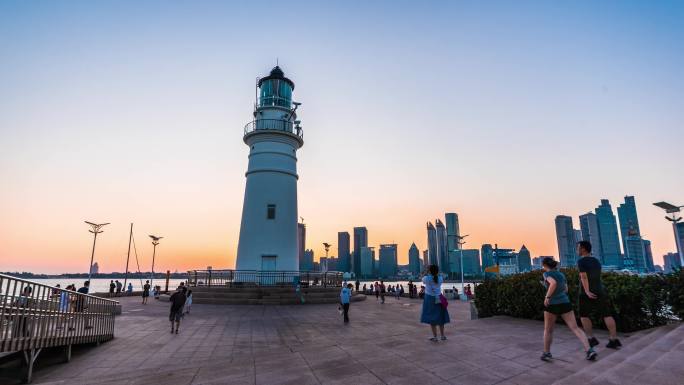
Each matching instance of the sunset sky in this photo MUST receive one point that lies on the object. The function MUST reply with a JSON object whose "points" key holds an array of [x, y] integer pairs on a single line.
{"points": [[508, 113]]}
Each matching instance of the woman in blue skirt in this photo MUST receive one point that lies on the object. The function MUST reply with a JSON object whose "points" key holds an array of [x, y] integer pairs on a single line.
{"points": [[434, 313]]}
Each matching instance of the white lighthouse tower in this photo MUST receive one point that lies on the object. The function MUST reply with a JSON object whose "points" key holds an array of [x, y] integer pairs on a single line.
{"points": [[268, 231]]}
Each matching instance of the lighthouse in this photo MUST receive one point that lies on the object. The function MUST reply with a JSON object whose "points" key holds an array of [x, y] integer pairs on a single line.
{"points": [[268, 231]]}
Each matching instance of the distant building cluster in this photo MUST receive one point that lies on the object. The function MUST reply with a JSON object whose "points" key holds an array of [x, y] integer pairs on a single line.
{"points": [[444, 248], [617, 242]]}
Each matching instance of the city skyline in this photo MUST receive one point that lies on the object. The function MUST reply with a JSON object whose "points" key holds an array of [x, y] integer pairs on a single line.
{"points": [[124, 114]]}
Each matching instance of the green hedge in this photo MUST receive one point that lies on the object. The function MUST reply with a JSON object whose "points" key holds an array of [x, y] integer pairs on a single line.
{"points": [[639, 302]]}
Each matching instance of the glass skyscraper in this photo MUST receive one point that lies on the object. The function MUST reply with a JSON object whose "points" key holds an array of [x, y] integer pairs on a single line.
{"points": [[524, 260], [453, 231], [590, 232], [608, 231], [487, 256], [414, 260], [629, 223], [432, 245], [388, 260], [565, 236], [442, 255], [360, 240], [367, 262], [343, 252]]}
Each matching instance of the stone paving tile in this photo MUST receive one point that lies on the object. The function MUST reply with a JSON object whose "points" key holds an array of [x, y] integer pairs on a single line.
{"points": [[384, 344]]}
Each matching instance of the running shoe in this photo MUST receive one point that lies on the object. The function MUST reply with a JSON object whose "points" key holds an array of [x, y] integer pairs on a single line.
{"points": [[613, 344], [593, 342], [546, 356], [591, 355], [443, 338], [434, 339]]}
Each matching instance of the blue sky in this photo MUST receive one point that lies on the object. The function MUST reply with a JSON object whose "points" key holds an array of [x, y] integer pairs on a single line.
{"points": [[508, 113]]}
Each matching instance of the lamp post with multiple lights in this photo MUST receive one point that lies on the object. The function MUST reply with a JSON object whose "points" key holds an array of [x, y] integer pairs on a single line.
{"points": [[460, 243], [95, 229], [326, 246], [675, 219], [155, 242]]}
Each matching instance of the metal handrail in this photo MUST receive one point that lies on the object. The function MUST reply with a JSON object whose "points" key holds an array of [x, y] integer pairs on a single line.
{"points": [[256, 278], [274, 125], [35, 316]]}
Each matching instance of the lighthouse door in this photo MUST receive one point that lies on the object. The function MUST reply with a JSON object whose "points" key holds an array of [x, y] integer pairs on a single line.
{"points": [[268, 264]]}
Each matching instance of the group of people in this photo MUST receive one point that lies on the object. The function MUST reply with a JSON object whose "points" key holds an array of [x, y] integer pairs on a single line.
{"points": [[593, 301], [115, 288]]}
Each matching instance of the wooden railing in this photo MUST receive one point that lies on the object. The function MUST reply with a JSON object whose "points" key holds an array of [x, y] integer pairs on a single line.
{"points": [[34, 316], [254, 278]]}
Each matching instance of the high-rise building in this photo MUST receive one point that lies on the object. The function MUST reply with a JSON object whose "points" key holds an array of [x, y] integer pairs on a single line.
{"points": [[487, 256], [590, 232], [307, 262], [414, 260], [432, 245], [671, 262], [424, 260], [635, 253], [453, 231], [95, 268], [610, 242], [648, 256], [679, 239], [565, 235], [268, 230], [471, 262], [301, 244], [629, 222], [367, 262], [388, 260], [360, 240], [343, 251], [442, 255], [524, 262]]}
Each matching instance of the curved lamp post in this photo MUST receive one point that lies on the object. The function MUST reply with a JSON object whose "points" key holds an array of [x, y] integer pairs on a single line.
{"points": [[95, 229]]}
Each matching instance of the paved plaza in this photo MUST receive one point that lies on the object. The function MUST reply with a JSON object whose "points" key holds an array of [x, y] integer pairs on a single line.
{"points": [[309, 344]]}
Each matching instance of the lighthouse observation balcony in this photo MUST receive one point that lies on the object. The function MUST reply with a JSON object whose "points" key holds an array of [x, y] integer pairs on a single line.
{"points": [[277, 125]]}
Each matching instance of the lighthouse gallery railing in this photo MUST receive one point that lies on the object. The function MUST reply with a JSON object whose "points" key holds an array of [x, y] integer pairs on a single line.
{"points": [[274, 125]]}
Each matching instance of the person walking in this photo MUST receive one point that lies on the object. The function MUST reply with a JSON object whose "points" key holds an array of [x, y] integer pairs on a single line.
{"points": [[593, 298], [434, 313], [177, 300], [119, 286], [112, 286], [188, 301], [82, 304], [557, 304], [345, 297], [146, 292], [383, 289]]}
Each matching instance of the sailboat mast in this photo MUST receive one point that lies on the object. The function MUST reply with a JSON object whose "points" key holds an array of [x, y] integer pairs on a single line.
{"points": [[128, 257]]}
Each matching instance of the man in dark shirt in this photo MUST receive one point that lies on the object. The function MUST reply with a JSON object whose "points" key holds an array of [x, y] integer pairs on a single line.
{"points": [[177, 302], [82, 304], [593, 298]]}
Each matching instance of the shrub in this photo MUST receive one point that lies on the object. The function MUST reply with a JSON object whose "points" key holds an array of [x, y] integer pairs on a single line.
{"points": [[639, 302]]}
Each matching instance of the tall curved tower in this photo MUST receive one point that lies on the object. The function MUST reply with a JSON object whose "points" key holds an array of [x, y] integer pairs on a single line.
{"points": [[268, 231]]}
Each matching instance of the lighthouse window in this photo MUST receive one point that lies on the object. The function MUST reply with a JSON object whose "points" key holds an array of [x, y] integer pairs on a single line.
{"points": [[270, 211]]}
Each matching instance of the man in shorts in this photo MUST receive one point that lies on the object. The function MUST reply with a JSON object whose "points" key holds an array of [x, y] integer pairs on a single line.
{"points": [[593, 299], [177, 303]]}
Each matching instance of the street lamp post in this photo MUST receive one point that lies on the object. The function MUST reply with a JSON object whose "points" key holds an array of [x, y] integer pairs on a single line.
{"points": [[95, 229], [155, 242], [326, 246], [460, 243], [674, 218]]}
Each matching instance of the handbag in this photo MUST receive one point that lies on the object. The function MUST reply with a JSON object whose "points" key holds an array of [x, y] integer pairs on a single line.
{"points": [[443, 301]]}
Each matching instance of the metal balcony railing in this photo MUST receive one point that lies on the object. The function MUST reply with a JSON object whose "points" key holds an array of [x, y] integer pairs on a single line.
{"points": [[274, 125], [254, 278], [34, 316]]}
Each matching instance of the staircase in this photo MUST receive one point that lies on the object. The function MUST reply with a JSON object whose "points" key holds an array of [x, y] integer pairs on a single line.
{"points": [[645, 360], [265, 296]]}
